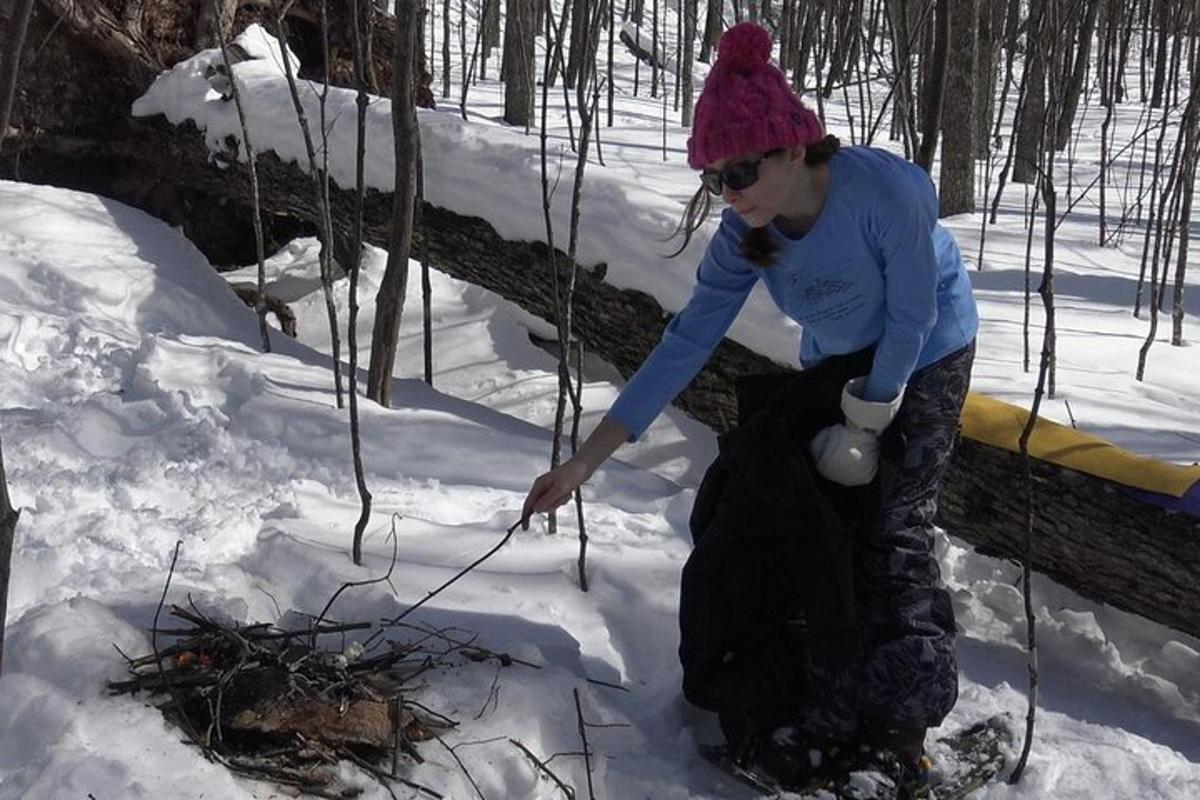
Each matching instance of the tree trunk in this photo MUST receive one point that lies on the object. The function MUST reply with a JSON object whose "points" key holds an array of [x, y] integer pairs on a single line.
{"points": [[690, 13], [211, 16], [901, 46], [8, 530], [712, 31], [1074, 87], [1162, 18], [956, 183], [10, 67], [389, 300], [935, 84], [489, 33], [577, 52], [1033, 110], [991, 20], [518, 58]]}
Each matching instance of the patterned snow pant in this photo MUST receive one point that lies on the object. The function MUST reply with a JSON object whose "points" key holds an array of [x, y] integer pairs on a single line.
{"points": [[909, 676]]}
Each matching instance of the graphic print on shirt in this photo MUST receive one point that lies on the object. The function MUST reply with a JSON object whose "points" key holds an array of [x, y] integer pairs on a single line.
{"points": [[825, 300]]}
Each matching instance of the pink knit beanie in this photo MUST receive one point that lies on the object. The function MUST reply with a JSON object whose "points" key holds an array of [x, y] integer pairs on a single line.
{"points": [[747, 105]]}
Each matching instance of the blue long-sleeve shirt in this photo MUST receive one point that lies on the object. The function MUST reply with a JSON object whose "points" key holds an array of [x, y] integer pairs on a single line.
{"points": [[876, 269]]}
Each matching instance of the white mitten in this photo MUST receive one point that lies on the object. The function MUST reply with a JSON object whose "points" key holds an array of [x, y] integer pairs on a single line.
{"points": [[849, 453]]}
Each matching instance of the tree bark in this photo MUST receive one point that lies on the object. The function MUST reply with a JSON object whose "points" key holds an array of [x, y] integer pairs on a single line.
{"points": [[519, 33], [991, 21], [712, 31], [389, 300], [214, 25], [10, 67], [1033, 109], [8, 529], [1074, 87], [956, 182], [935, 85], [690, 13]]}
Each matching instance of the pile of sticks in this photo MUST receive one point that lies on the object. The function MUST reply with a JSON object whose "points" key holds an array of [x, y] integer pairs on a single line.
{"points": [[282, 705]]}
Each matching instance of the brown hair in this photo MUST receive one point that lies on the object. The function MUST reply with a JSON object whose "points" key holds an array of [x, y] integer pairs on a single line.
{"points": [[757, 246]]}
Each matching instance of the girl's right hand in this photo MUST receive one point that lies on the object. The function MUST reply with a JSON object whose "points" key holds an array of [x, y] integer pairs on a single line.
{"points": [[554, 488]]}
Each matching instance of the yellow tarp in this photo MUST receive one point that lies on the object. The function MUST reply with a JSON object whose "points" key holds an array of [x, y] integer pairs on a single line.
{"points": [[999, 424]]}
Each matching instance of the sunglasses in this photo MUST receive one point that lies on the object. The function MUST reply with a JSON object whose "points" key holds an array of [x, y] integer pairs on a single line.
{"points": [[739, 176]]}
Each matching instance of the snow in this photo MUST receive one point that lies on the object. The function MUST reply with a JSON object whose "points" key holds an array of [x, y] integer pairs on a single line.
{"points": [[137, 412]]}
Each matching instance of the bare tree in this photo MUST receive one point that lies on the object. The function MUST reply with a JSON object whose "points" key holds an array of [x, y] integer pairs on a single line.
{"points": [[260, 298], [519, 32], [904, 118], [991, 21], [446, 49], [215, 21], [10, 66], [1163, 10], [1046, 290], [577, 52], [1164, 221], [490, 33], [690, 10], [934, 71], [8, 529], [713, 28], [1033, 109], [956, 183], [320, 180], [1191, 128], [353, 261], [1074, 87], [389, 301]]}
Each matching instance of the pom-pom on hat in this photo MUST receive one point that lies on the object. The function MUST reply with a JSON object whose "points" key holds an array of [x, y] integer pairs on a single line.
{"points": [[746, 105]]}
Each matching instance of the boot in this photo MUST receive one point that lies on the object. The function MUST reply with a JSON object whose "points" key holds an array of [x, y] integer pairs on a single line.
{"points": [[900, 752]]}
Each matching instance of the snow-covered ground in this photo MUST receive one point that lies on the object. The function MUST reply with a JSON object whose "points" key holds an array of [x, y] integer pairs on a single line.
{"points": [[137, 411]]}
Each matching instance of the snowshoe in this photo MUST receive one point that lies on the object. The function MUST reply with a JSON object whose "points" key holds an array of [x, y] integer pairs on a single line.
{"points": [[960, 764]]}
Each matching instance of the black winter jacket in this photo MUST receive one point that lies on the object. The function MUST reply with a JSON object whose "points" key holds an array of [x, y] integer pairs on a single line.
{"points": [[767, 597]]}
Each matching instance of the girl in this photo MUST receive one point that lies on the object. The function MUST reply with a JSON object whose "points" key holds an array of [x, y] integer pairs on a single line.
{"points": [[848, 245]]}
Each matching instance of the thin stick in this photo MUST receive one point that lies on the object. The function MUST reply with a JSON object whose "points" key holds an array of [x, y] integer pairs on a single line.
{"points": [[587, 756], [396, 741], [260, 300], [566, 790], [355, 268], [189, 728], [447, 584], [350, 584], [8, 529], [381, 778], [461, 766]]}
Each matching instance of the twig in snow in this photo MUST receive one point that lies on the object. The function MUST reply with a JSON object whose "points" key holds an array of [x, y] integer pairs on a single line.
{"points": [[566, 790], [493, 698], [380, 777], [508, 535], [184, 719], [461, 766], [587, 756], [351, 584]]}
